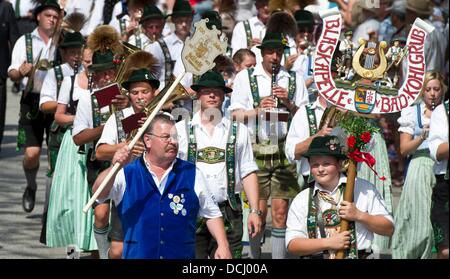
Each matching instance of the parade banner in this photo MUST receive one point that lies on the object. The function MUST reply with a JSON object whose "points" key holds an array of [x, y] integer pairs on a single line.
{"points": [[369, 90]]}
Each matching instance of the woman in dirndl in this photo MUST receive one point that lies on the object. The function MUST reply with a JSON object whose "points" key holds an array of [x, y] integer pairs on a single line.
{"points": [[66, 223], [413, 236]]}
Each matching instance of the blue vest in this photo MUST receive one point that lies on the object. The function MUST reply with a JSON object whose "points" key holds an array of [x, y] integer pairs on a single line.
{"points": [[159, 226]]}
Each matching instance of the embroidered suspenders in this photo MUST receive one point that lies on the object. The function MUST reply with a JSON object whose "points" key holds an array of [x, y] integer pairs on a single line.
{"points": [[214, 155], [329, 219], [248, 33], [137, 35], [167, 59], [121, 136], [312, 121], [29, 48], [59, 78], [122, 26]]}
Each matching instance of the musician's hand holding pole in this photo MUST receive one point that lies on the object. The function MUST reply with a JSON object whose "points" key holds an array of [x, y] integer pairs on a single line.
{"points": [[25, 69]]}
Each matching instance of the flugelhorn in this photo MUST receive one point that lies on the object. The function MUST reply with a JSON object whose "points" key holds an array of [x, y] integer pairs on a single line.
{"points": [[178, 94]]}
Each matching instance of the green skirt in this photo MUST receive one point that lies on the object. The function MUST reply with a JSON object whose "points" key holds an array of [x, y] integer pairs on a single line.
{"points": [[379, 151], [413, 235], [66, 222]]}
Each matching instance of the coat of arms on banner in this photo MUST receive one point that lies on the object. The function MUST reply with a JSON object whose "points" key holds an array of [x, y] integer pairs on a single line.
{"points": [[364, 75], [199, 49]]}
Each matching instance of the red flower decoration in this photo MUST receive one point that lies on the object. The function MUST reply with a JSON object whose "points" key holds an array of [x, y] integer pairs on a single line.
{"points": [[351, 142], [365, 137]]}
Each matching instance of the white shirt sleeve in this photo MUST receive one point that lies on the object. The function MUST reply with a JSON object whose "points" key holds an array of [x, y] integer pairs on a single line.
{"points": [[438, 130], [19, 54], [239, 37], [96, 18], [48, 90], [118, 188], [208, 206], [64, 92], [297, 133], [376, 205], [246, 162], [241, 88], [182, 140], [301, 96], [296, 218], [109, 133], [407, 120], [83, 117]]}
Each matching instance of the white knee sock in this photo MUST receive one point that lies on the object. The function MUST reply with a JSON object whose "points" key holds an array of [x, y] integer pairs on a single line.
{"points": [[101, 237], [278, 244]]}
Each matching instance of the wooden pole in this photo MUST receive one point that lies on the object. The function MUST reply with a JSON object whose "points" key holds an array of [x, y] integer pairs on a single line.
{"points": [[348, 196], [141, 131]]}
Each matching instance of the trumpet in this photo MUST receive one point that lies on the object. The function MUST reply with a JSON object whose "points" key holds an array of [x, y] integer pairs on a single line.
{"points": [[41, 64]]}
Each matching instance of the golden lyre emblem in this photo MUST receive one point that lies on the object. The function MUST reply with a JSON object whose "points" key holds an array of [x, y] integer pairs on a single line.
{"points": [[375, 73]]}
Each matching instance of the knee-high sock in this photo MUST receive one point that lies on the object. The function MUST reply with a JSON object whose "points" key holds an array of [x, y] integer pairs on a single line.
{"points": [[30, 175], [101, 237], [255, 244], [278, 243]]}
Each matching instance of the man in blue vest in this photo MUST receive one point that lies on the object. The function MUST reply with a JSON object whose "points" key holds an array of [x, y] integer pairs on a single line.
{"points": [[159, 197]]}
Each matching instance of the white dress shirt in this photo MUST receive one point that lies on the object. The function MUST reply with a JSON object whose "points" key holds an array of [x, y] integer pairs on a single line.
{"points": [[49, 87], [208, 208], [83, 118], [242, 98], [91, 9], [239, 37], [64, 94], [216, 173], [19, 55], [366, 198], [438, 135], [299, 131], [175, 45], [25, 7]]}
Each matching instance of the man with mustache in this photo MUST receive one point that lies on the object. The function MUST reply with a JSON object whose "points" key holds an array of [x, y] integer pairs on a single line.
{"points": [[254, 95], [159, 197], [222, 150], [141, 86], [33, 123]]}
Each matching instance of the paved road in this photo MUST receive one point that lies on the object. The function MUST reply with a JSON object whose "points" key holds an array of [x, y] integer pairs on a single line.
{"points": [[19, 231]]}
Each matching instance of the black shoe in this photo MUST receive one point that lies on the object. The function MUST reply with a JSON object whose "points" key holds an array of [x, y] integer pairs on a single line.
{"points": [[28, 199]]}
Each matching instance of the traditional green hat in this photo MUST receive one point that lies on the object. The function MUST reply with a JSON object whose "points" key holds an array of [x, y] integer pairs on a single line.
{"points": [[72, 40], [102, 61], [151, 12], [141, 75], [348, 33], [181, 8], [304, 19], [325, 146], [274, 40], [214, 19], [211, 79], [401, 39], [47, 4]]}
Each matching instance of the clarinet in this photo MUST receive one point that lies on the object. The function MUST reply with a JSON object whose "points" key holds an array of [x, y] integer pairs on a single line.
{"points": [[274, 83], [433, 105]]}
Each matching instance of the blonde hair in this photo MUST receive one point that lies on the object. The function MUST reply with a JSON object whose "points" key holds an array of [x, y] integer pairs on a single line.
{"points": [[429, 76]]}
